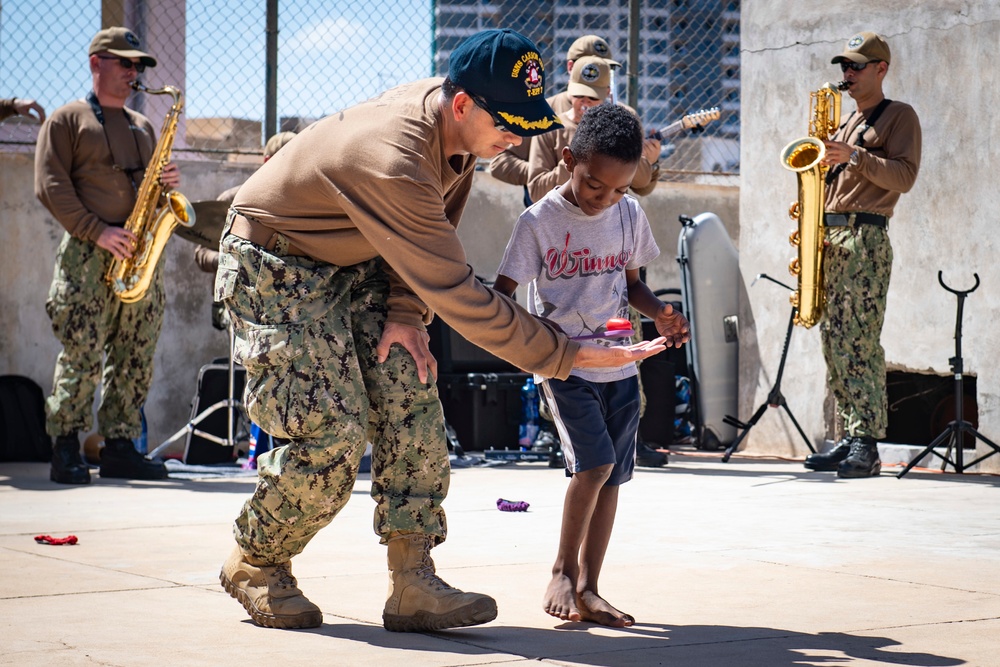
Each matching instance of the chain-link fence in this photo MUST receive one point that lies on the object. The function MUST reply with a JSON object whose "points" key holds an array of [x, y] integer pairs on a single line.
{"points": [[250, 69]]}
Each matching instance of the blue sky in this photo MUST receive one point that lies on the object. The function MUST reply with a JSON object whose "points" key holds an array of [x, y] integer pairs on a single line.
{"points": [[331, 53]]}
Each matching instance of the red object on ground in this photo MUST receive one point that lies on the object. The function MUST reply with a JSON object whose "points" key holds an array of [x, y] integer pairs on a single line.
{"points": [[48, 539]]}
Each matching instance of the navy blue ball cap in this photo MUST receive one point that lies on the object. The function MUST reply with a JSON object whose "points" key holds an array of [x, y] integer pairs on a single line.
{"points": [[504, 69]]}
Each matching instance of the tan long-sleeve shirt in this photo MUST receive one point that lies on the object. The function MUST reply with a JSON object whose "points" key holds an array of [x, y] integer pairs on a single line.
{"points": [[374, 181], [887, 163], [83, 169]]}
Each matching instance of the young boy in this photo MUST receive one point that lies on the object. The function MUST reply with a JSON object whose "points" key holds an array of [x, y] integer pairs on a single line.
{"points": [[579, 251]]}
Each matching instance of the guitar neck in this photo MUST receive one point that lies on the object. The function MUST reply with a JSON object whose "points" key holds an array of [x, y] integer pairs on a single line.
{"points": [[672, 129]]}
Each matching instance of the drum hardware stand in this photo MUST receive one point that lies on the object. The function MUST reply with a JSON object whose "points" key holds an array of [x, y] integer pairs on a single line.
{"points": [[775, 399], [230, 402], [955, 429]]}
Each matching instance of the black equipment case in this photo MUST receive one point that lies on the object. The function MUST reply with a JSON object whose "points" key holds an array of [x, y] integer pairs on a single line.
{"points": [[483, 408]]}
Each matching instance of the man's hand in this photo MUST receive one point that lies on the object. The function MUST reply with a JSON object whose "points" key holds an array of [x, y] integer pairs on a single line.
{"points": [[592, 355], [24, 107], [413, 341], [651, 150], [118, 241], [171, 176], [672, 326], [837, 152]]}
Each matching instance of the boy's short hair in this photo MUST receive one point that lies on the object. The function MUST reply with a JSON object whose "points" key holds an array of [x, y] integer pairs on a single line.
{"points": [[608, 129]]}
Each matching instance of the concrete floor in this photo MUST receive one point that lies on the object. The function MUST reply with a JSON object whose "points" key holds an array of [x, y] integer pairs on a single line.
{"points": [[752, 562]]}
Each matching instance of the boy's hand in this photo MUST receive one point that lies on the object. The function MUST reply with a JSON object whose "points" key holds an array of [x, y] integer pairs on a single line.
{"points": [[672, 326]]}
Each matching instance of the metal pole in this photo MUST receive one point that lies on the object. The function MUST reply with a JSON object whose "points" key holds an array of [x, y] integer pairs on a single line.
{"points": [[271, 72], [632, 81]]}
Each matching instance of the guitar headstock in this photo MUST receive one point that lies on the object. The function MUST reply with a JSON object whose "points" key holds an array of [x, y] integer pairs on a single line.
{"points": [[700, 118]]}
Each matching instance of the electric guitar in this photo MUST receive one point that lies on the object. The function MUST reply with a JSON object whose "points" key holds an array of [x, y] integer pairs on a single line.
{"points": [[693, 121]]}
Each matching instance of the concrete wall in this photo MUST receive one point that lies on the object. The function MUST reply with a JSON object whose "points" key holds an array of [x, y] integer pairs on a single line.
{"points": [[31, 236], [943, 64]]}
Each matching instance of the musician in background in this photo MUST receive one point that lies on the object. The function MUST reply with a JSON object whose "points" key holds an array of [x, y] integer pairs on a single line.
{"points": [[21, 106], [511, 166], [873, 158], [589, 85], [90, 161]]}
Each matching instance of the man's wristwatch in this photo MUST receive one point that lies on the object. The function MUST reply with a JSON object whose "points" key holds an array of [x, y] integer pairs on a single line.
{"points": [[853, 160]]}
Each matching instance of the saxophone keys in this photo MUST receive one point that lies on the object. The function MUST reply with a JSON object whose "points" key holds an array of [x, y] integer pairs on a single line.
{"points": [[795, 238], [793, 211], [795, 267]]}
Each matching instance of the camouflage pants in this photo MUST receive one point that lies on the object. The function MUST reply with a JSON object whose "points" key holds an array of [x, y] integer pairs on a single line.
{"points": [[306, 332], [856, 268], [98, 331]]}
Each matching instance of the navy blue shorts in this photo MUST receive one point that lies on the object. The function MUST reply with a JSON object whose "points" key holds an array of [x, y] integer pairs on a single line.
{"points": [[597, 423]]}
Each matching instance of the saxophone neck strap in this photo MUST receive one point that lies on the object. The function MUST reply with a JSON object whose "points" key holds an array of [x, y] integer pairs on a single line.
{"points": [[130, 172], [872, 118]]}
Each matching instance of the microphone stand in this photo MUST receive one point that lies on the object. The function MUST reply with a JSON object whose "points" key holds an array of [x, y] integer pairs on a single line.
{"points": [[775, 399]]}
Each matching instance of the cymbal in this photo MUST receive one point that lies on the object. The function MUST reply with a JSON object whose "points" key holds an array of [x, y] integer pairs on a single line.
{"points": [[210, 218]]}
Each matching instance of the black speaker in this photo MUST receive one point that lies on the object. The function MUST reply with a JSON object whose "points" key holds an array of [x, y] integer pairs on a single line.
{"points": [[657, 422], [455, 354]]}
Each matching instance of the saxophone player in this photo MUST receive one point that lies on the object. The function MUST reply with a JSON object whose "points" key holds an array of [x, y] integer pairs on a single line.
{"points": [[89, 163], [873, 157]]}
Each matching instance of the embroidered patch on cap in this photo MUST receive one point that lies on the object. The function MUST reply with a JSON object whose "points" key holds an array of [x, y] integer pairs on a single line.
{"points": [[855, 42], [530, 65], [132, 40], [590, 73], [601, 49]]}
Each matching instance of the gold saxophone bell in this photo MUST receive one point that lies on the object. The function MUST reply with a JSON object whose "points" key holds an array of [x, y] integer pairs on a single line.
{"points": [[804, 157], [156, 213]]}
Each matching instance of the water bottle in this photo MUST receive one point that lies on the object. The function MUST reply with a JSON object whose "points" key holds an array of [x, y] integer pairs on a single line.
{"points": [[142, 442], [528, 430], [254, 441]]}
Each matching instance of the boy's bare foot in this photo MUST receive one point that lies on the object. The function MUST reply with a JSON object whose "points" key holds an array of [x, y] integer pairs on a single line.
{"points": [[560, 599], [596, 609]]}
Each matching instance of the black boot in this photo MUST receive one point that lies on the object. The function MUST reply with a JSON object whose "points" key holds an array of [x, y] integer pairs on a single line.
{"points": [[828, 461], [647, 457], [119, 458], [67, 464], [863, 459]]}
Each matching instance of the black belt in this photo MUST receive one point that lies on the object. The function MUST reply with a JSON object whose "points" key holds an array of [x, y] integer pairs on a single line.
{"points": [[854, 219]]}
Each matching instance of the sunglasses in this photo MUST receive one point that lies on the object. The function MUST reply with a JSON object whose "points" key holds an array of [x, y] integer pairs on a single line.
{"points": [[126, 63], [498, 123], [857, 67]]}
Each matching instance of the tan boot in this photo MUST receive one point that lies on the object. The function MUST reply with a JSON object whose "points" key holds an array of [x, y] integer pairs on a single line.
{"points": [[269, 593], [420, 600]]}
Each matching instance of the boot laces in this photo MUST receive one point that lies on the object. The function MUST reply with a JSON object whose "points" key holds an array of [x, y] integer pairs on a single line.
{"points": [[425, 569], [282, 576]]}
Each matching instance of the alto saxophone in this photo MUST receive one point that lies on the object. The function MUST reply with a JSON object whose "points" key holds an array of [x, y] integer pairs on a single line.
{"points": [[803, 156], [156, 212]]}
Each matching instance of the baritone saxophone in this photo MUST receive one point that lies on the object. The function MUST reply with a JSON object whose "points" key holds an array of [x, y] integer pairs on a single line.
{"points": [[804, 157], [156, 213]]}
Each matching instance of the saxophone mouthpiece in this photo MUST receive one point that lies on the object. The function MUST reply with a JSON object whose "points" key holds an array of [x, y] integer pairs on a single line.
{"points": [[843, 85], [137, 85]]}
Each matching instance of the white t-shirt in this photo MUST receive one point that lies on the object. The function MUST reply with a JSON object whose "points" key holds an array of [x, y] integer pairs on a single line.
{"points": [[573, 267]]}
